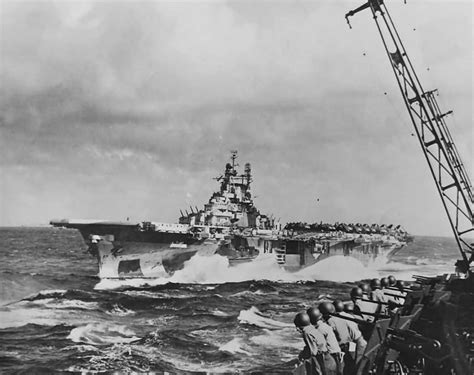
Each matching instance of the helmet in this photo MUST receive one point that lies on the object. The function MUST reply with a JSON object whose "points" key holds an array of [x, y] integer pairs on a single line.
{"points": [[302, 320], [338, 305], [326, 308], [400, 284], [365, 287], [392, 280], [314, 315], [357, 293], [375, 284], [348, 307], [384, 282]]}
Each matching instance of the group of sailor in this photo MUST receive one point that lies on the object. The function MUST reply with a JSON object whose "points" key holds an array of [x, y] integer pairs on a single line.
{"points": [[380, 298], [333, 333]]}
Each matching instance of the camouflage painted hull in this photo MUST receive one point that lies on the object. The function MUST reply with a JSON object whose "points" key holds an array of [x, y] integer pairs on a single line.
{"points": [[126, 250]]}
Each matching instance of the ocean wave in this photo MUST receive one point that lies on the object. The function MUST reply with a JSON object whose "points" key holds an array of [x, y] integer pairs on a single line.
{"points": [[181, 365], [285, 338], [102, 334], [16, 285], [19, 316], [151, 294], [254, 316], [117, 358], [219, 313], [45, 311], [81, 348], [234, 346], [111, 284], [53, 303], [48, 293], [243, 294], [119, 310]]}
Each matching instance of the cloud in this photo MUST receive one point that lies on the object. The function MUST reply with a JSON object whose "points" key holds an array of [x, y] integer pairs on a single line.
{"points": [[142, 101]]}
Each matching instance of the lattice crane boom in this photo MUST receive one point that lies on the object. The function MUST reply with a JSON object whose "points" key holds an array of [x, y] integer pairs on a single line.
{"points": [[449, 173]]}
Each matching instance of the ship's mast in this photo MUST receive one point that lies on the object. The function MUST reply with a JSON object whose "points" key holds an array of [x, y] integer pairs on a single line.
{"points": [[451, 178], [234, 157]]}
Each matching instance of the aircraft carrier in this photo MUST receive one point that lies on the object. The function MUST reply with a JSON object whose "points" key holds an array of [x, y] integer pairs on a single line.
{"points": [[229, 225]]}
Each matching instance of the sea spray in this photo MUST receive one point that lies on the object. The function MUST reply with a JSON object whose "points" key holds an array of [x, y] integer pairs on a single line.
{"points": [[119, 310], [284, 338], [234, 346], [338, 268], [215, 269], [253, 316], [102, 334]]}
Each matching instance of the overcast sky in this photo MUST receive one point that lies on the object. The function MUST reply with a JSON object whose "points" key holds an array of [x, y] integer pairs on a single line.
{"points": [[128, 109]]}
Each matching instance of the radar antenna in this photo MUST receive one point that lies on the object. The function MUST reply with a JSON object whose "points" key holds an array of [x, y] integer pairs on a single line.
{"points": [[234, 157], [448, 171]]}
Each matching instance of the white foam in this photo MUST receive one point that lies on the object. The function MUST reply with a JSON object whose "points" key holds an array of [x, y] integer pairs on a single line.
{"points": [[73, 304], [18, 317], [285, 338], [234, 346], [338, 268], [102, 334], [80, 348], [220, 313], [119, 310], [108, 284], [182, 365], [243, 294], [45, 311], [254, 317], [215, 269], [46, 293]]}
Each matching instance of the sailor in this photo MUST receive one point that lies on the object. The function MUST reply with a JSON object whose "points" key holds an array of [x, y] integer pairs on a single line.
{"points": [[365, 287], [349, 310], [332, 361], [361, 306], [393, 295], [93, 248], [400, 284], [378, 295], [351, 341], [315, 345], [392, 280]]}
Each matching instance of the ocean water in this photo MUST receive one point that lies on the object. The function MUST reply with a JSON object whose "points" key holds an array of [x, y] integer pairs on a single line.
{"points": [[57, 316]]}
